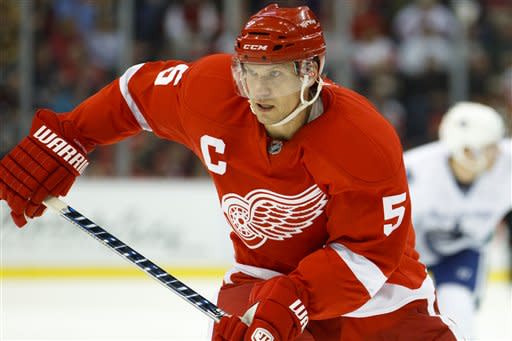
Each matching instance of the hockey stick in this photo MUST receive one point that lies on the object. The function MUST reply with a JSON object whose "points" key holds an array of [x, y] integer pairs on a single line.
{"points": [[153, 270]]}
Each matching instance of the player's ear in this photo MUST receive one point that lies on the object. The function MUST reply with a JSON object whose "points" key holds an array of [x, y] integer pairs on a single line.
{"points": [[310, 73], [312, 77]]}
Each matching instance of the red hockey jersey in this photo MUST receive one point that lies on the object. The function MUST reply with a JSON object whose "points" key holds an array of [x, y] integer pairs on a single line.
{"points": [[330, 207]]}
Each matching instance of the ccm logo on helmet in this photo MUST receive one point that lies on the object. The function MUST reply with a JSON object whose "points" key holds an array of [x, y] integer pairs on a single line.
{"points": [[255, 47], [63, 149]]}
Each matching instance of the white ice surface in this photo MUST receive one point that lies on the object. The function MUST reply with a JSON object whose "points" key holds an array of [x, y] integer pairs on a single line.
{"points": [[141, 309]]}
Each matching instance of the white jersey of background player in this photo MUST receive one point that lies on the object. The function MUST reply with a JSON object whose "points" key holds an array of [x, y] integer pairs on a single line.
{"points": [[461, 190]]}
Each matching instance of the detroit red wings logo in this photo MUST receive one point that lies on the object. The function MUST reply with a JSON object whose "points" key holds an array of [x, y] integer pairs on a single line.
{"points": [[263, 215]]}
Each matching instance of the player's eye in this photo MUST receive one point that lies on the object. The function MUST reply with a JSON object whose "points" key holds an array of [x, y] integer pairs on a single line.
{"points": [[275, 74], [251, 72]]}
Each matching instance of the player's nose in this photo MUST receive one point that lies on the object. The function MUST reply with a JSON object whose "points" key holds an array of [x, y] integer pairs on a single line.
{"points": [[262, 90]]}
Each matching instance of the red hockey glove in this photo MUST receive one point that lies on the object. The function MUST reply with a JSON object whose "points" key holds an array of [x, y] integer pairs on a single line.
{"points": [[44, 163], [278, 314]]}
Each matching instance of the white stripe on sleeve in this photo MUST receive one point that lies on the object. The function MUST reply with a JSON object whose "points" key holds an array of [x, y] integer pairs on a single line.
{"points": [[123, 87], [365, 271]]}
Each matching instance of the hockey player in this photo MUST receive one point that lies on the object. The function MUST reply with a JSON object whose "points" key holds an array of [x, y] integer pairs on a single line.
{"points": [[461, 190], [309, 176]]}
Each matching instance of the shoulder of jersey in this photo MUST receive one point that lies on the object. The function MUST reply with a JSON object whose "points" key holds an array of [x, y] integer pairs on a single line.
{"points": [[352, 137], [506, 154], [424, 153], [208, 90], [424, 160], [506, 147]]}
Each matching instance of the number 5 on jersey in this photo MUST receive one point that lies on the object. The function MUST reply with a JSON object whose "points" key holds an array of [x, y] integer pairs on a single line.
{"points": [[391, 211]]}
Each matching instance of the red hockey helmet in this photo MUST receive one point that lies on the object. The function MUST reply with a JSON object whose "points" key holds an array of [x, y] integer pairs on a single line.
{"points": [[280, 36], [275, 35]]}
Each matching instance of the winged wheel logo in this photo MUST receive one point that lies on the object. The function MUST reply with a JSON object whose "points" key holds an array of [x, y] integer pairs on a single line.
{"points": [[263, 214]]}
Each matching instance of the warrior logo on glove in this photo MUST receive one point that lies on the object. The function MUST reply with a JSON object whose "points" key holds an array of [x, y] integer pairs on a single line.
{"points": [[63, 149], [300, 311]]}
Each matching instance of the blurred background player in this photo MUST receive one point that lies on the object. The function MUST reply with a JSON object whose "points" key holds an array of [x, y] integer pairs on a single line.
{"points": [[461, 190], [309, 176]]}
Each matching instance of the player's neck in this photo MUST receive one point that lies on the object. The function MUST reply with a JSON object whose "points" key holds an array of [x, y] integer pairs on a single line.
{"points": [[286, 131]]}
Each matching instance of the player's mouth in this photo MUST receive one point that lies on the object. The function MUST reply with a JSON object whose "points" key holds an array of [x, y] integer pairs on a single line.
{"points": [[264, 107]]}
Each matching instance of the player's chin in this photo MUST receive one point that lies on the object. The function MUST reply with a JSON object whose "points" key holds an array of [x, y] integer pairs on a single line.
{"points": [[263, 120], [265, 117]]}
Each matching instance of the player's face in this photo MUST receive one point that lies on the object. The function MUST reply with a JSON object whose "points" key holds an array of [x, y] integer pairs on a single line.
{"points": [[477, 162], [274, 90]]}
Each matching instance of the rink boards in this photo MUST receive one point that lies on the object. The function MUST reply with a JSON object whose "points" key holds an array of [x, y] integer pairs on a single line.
{"points": [[177, 224]]}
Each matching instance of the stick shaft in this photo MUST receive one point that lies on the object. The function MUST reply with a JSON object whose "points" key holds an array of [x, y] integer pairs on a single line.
{"points": [[153, 270]]}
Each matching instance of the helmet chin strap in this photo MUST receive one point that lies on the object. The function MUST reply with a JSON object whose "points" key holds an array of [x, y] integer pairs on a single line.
{"points": [[303, 103]]}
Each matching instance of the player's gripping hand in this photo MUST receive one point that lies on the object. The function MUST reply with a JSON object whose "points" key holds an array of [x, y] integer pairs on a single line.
{"points": [[277, 315], [44, 163]]}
